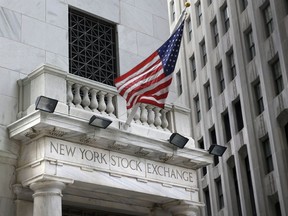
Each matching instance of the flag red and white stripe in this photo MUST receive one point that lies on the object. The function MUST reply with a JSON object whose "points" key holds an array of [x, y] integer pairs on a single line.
{"points": [[149, 81]]}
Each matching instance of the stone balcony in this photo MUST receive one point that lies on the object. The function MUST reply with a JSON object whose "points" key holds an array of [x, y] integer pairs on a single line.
{"points": [[80, 98]]}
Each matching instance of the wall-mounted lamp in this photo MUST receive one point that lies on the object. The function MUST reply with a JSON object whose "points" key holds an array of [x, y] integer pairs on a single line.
{"points": [[45, 104], [99, 121], [217, 150], [178, 140]]}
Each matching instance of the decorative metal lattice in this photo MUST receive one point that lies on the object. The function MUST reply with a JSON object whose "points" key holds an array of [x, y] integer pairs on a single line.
{"points": [[92, 48]]}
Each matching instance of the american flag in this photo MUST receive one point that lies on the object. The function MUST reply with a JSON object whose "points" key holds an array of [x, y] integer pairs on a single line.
{"points": [[149, 81]]}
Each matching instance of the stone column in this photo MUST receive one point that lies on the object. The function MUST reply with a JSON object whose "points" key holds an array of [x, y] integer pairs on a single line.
{"points": [[47, 198], [184, 208]]}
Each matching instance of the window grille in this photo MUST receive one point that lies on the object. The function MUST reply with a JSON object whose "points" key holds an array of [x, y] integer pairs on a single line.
{"points": [[92, 48]]}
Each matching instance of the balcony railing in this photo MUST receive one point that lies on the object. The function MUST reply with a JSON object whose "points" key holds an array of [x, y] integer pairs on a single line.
{"points": [[86, 95]]}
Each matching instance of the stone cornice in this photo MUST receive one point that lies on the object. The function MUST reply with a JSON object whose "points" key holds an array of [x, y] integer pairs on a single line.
{"points": [[70, 128]]}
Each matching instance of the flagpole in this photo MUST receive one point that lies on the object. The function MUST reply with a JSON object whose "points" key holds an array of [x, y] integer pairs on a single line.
{"points": [[131, 116], [187, 4]]}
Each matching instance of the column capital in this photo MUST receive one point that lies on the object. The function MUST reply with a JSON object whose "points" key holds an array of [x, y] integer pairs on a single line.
{"points": [[183, 208], [47, 188]]}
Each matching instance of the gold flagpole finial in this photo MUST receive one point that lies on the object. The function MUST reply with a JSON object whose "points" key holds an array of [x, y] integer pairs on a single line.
{"points": [[187, 4]]}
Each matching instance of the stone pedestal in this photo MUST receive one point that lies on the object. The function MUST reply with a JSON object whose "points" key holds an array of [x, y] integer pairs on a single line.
{"points": [[47, 198]]}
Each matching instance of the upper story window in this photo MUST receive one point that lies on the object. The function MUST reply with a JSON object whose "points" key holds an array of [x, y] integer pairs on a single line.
{"points": [[208, 95], [201, 146], [179, 83], [172, 10], [267, 155], [231, 64], [268, 19], [259, 98], [208, 209], [225, 16], [198, 13], [239, 116], [219, 70], [277, 76], [243, 4], [203, 53], [189, 29], [193, 67], [197, 108], [219, 193], [215, 33], [250, 44], [227, 129], [92, 48], [209, 2]]}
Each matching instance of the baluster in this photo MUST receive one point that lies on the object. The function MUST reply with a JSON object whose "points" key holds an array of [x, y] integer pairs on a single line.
{"points": [[144, 114], [110, 107], [85, 100], [137, 115], [102, 105], [157, 121], [69, 93], [151, 116], [164, 119], [94, 102], [77, 98]]}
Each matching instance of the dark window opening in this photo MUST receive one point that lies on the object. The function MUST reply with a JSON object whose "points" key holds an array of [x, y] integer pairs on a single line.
{"points": [[238, 113], [92, 48], [259, 98], [267, 156], [207, 201], [201, 146], [250, 186], [219, 193], [227, 128]]}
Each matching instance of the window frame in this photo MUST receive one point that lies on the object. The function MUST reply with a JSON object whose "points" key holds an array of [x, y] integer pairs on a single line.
{"points": [[258, 97], [268, 19], [220, 194], [250, 44], [221, 79], [199, 14], [277, 76], [193, 67], [215, 32], [231, 64], [225, 17], [197, 109], [203, 53], [269, 167]]}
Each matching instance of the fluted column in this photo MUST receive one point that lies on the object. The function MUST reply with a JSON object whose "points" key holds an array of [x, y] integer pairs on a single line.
{"points": [[47, 198]]}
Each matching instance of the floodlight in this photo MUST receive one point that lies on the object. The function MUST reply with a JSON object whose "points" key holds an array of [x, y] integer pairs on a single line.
{"points": [[99, 121], [178, 140], [45, 104]]}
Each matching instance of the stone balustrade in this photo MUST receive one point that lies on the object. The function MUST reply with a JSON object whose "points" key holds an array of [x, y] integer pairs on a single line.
{"points": [[99, 98], [91, 98], [87, 95]]}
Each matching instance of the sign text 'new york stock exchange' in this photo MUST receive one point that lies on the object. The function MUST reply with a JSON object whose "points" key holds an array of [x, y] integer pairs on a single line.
{"points": [[101, 159]]}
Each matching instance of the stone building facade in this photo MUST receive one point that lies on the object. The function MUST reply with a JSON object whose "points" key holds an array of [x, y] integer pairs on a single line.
{"points": [[57, 163], [234, 73]]}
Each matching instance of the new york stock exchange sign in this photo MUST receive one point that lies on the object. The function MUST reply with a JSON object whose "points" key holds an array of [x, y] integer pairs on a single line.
{"points": [[113, 162]]}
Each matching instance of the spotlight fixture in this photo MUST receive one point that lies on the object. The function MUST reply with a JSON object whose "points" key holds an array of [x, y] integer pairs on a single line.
{"points": [[217, 150], [45, 104], [178, 140], [99, 121]]}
